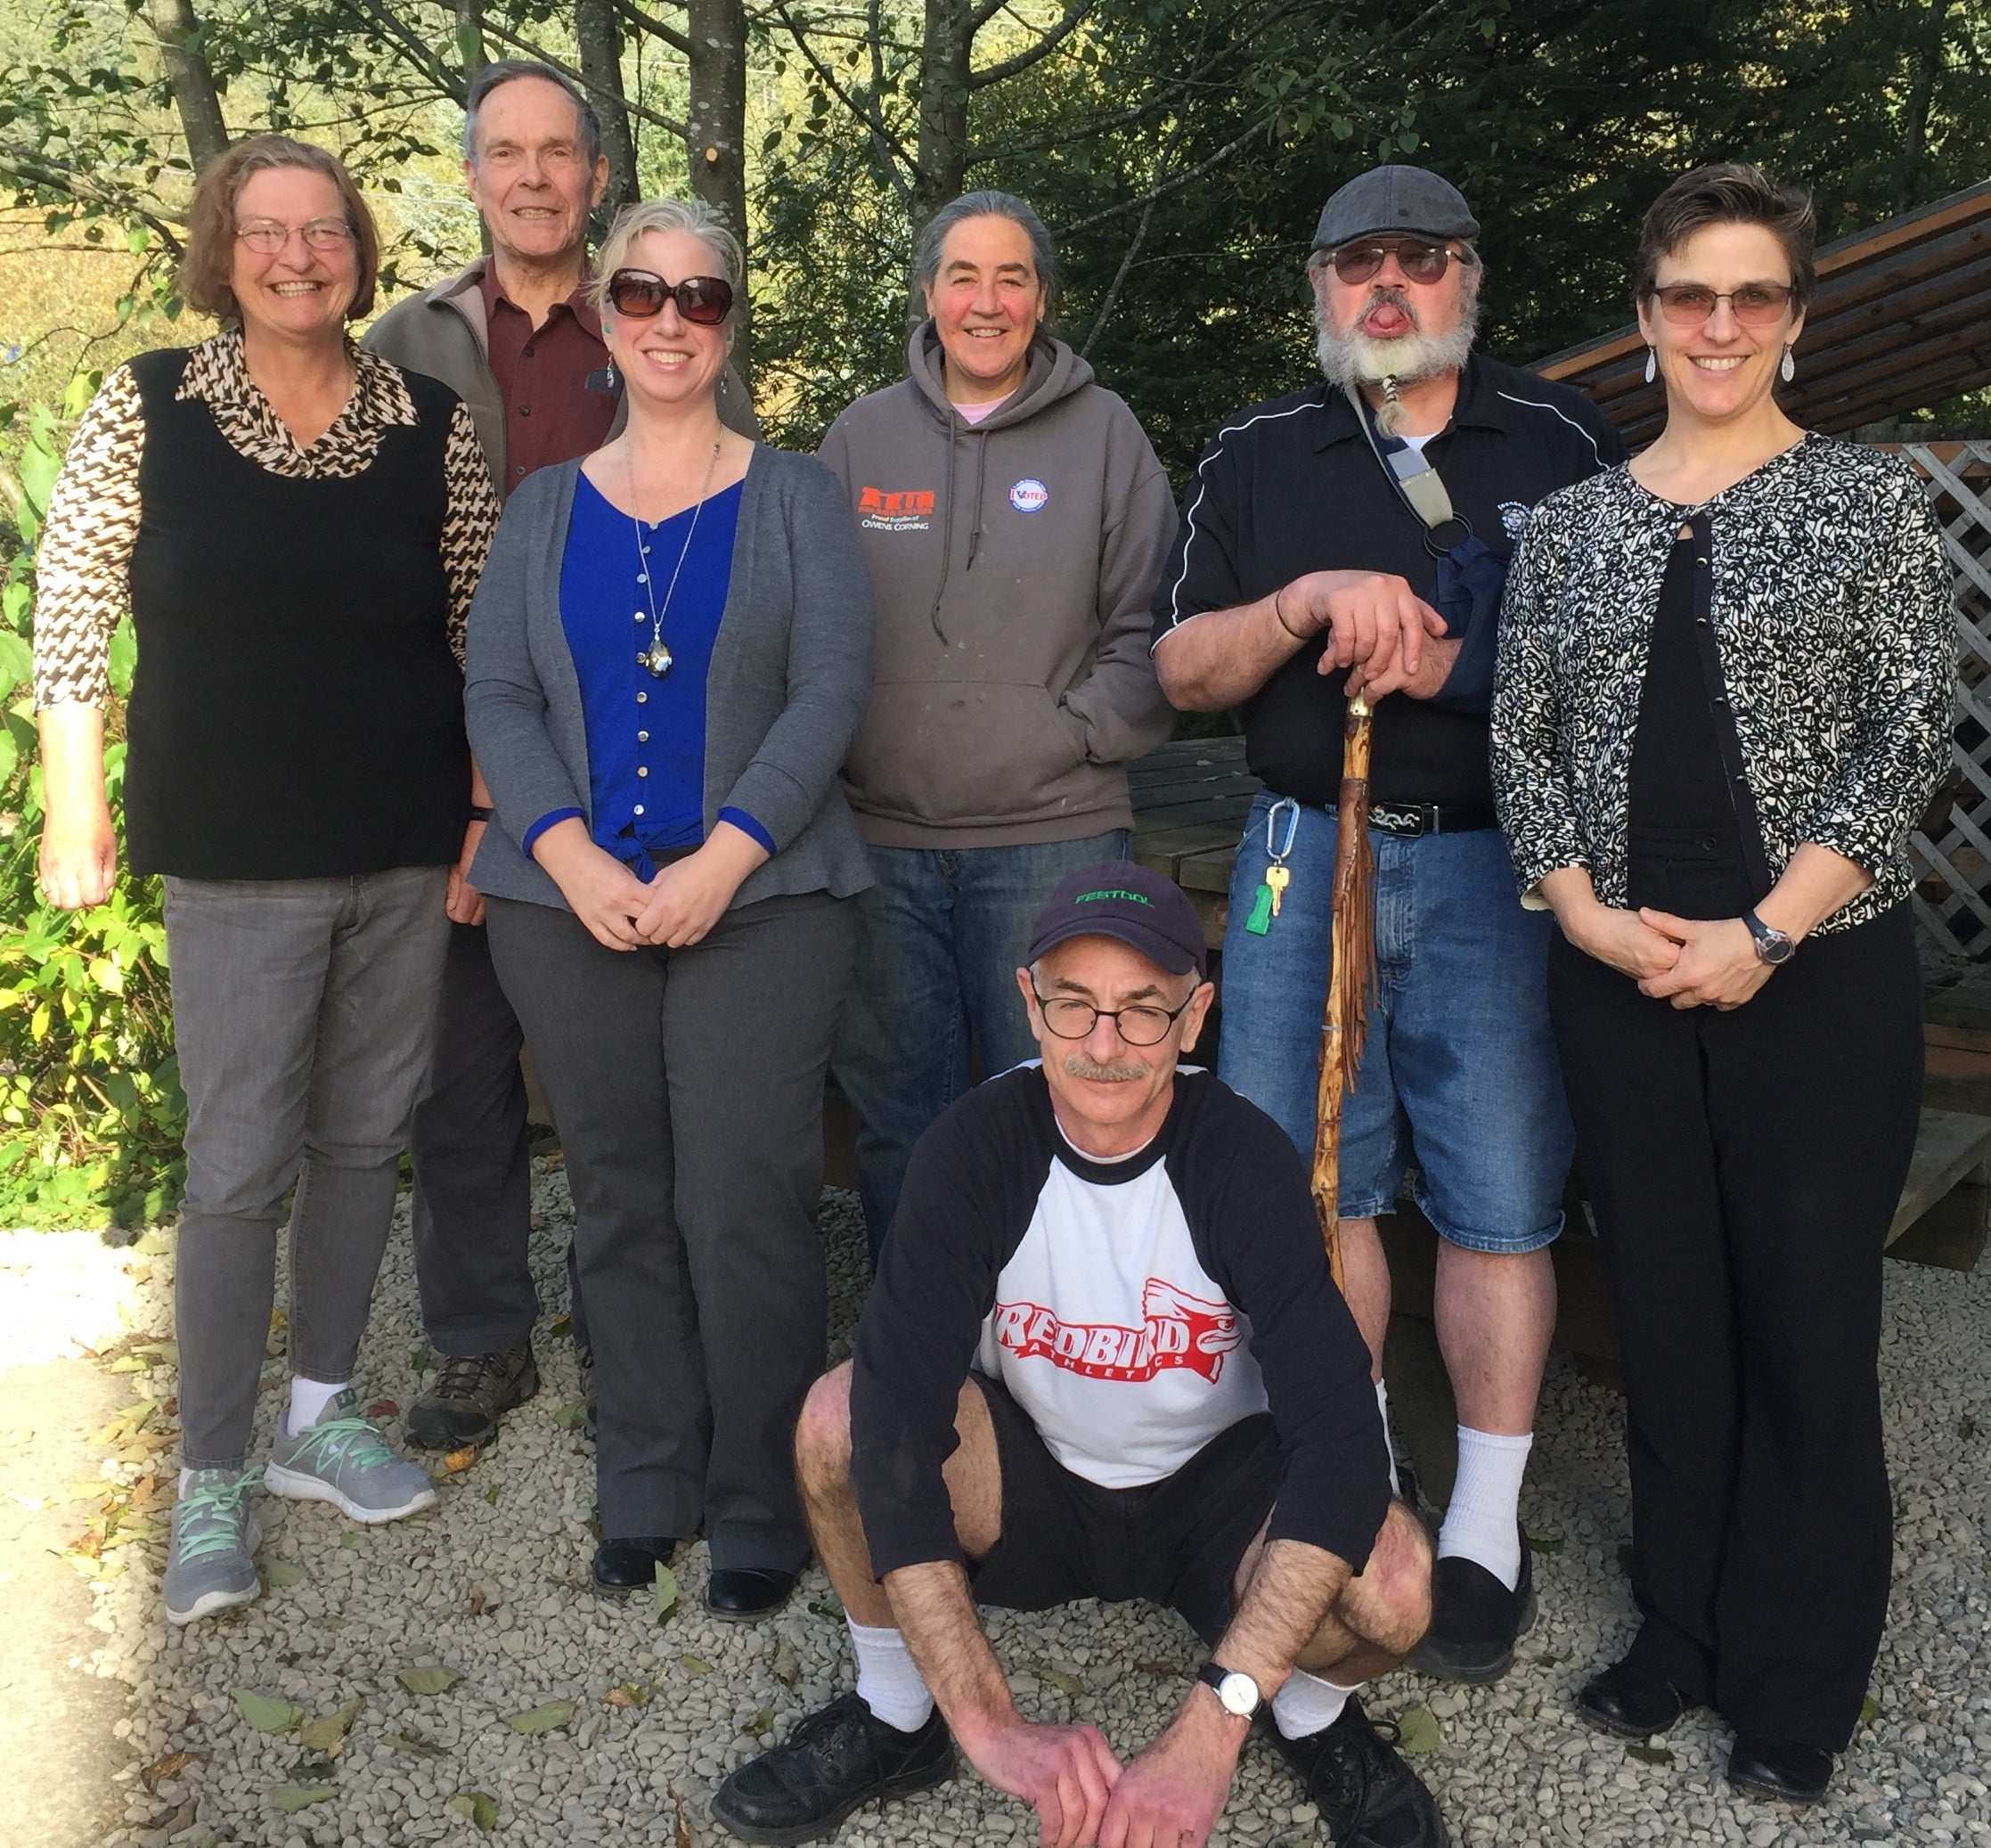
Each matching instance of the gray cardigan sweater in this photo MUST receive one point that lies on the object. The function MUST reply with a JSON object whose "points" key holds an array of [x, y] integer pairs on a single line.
{"points": [[791, 671]]}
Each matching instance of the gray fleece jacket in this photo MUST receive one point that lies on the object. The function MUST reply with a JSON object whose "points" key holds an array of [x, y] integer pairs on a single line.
{"points": [[1012, 562], [790, 668]]}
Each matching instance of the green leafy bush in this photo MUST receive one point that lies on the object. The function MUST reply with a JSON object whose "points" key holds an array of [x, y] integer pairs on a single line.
{"points": [[91, 1110]]}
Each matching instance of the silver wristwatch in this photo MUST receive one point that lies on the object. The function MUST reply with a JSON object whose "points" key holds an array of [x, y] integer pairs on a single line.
{"points": [[1773, 946], [1237, 1693]]}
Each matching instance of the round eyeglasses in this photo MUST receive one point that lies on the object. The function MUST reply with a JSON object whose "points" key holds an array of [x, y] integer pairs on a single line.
{"points": [[1071, 1018]]}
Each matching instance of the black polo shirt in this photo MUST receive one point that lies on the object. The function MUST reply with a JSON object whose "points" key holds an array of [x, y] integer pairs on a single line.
{"points": [[1292, 486]]}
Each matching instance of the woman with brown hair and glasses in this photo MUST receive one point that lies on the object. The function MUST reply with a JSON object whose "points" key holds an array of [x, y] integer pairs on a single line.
{"points": [[669, 653], [1724, 696], [295, 526]]}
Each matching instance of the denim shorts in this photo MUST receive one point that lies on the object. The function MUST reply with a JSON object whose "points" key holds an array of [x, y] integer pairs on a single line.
{"points": [[1459, 1078]]}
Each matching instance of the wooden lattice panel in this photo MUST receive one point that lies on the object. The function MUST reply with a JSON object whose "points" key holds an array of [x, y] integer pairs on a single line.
{"points": [[1951, 849]]}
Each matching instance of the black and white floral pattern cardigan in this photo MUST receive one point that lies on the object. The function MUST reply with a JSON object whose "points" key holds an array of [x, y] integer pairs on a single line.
{"points": [[1833, 606]]}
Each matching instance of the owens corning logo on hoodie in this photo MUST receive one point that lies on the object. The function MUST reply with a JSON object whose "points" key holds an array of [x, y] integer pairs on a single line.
{"points": [[895, 509]]}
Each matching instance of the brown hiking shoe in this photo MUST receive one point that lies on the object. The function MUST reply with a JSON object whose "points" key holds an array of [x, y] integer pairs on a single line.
{"points": [[471, 1395]]}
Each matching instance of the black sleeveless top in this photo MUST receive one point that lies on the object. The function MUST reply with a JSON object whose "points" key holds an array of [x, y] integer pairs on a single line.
{"points": [[296, 711]]}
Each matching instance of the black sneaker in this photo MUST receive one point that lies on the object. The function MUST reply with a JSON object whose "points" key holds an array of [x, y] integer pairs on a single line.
{"points": [[1368, 1795], [1475, 1620], [471, 1395], [834, 1761]]}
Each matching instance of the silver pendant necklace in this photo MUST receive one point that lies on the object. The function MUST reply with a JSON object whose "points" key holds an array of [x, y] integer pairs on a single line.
{"points": [[657, 657]]}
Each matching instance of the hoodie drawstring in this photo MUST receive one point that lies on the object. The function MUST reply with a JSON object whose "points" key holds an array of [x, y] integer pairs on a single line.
{"points": [[946, 539], [981, 481]]}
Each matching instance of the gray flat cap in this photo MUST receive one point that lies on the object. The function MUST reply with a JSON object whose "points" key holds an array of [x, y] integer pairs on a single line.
{"points": [[1406, 200]]}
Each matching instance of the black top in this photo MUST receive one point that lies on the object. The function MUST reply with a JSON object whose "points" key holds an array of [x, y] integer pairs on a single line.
{"points": [[994, 1171], [1677, 778], [1292, 486], [296, 713]]}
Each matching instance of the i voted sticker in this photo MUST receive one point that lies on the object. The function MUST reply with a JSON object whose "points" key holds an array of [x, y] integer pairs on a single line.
{"points": [[1028, 495]]}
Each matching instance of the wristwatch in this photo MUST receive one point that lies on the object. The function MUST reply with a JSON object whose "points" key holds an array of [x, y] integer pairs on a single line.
{"points": [[1773, 946], [1237, 1692]]}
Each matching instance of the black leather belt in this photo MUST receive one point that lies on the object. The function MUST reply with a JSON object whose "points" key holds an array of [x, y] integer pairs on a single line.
{"points": [[1411, 819]]}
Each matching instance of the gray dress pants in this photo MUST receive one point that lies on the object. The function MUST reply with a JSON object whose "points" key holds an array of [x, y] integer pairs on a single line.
{"points": [[303, 1011], [687, 1087]]}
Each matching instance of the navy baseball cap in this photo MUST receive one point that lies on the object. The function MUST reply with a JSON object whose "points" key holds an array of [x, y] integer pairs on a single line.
{"points": [[1145, 911], [1407, 201]]}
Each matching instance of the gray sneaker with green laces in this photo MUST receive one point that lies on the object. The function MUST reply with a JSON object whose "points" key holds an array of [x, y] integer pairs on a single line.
{"points": [[210, 1564], [344, 1460]]}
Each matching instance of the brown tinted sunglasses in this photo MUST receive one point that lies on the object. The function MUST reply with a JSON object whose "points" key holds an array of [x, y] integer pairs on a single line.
{"points": [[705, 301]]}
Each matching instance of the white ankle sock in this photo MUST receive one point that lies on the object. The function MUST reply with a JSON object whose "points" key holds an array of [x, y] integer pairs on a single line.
{"points": [[888, 1679], [308, 1401], [1382, 1405], [1483, 1521], [1305, 1704]]}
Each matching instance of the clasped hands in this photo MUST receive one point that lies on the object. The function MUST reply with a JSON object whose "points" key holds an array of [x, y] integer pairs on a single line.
{"points": [[621, 911], [1386, 635], [1691, 962], [1169, 1796]]}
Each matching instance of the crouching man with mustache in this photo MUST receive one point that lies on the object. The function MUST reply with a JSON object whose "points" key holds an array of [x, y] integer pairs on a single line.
{"points": [[1104, 1358]]}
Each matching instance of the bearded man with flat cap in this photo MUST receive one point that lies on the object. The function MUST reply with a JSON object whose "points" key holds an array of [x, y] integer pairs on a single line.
{"points": [[1354, 536]]}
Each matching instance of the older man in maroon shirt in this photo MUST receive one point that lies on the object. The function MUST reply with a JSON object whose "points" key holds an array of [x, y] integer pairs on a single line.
{"points": [[513, 335]]}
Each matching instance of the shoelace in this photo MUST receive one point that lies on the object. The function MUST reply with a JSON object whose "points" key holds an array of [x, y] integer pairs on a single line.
{"points": [[333, 1441], [463, 1374], [211, 1516]]}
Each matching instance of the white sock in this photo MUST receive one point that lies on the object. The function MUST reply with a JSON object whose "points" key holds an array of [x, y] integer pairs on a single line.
{"points": [[1305, 1705], [1382, 1405], [888, 1679], [1483, 1522], [308, 1401]]}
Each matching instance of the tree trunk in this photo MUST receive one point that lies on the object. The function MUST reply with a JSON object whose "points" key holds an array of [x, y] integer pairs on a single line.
{"points": [[715, 141], [1928, 62], [192, 81], [470, 37], [945, 55], [599, 38]]}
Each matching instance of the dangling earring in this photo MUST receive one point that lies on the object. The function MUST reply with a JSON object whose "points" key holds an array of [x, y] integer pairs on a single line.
{"points": [[1651, 363], [1789, 369], [611, 375]]}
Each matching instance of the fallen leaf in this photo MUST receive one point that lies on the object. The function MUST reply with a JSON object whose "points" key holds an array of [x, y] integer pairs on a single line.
{"points": [[474, 1806], [562, 1328], [694, 1664], [428, 1677], [571, 1416], [1543, 1543], [284, 1573], [314, 1768], [170, 1766], [491, 1494], [827, 1607], [1071, 1685], [292, 1797], [1419, 1732], [666, 1592], [266, 1714], [1649, 1755], [761, 1725], [628, 1694], [328, 1734], [1966, 1427], [682, 1832], [788, 1669], [479, 1601], [548, 1718], [1870, 1711], [349, 1543], [462, 1459], [413, 1745], [383, 1409]]}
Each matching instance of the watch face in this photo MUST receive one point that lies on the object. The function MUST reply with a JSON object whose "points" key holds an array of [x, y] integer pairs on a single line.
{"points": [[1239, 1694]]}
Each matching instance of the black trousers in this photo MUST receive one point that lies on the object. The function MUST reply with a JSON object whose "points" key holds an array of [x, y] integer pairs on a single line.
{"points": [[687, 1087], [1744, 1168]]}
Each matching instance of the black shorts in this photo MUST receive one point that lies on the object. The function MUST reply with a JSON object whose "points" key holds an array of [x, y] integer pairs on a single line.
{"points": [[1177, 1541]]}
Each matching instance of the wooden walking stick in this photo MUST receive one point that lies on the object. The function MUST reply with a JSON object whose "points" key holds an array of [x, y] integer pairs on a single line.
{"points": [[1350, 976]]}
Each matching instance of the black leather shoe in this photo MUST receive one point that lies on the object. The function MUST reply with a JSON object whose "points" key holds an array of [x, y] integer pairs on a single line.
{"points": [[1368, 1795], [834, 1761], [625, 1566], [472, 1391], [740, 1593], [1630, 1703], [1475, 1620], [1778, 1771]]}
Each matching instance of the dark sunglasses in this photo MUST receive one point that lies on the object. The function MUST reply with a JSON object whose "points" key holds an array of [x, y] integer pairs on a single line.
{"points": [[705, 301], [1420, 262], [1754, 304]]}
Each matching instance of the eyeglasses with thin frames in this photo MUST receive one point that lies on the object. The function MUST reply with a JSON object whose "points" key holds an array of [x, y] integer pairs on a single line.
{"points": [[1753, 304], [266, 237], [1071, 1018], [1419, 261]]}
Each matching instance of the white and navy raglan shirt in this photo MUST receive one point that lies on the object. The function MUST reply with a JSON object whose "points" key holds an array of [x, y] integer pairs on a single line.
{"points": [[1134, 1308]]}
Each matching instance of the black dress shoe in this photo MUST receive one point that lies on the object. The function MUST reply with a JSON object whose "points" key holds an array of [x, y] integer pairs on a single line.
{"points": [[1629, 1703], [625, 1566], [834, 1763], [1475, 1620], [1367, 1794], [739, 1593], [1778, 1771]]}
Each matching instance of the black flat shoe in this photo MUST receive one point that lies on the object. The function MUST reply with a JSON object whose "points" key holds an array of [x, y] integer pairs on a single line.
{"points": [[1778, 1771], [1475, 1621], [624, 1565], [740, 1593], [1630, 1703]]}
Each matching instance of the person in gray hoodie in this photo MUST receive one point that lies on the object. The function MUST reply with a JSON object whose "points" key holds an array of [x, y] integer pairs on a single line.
{"points": [[1015, 519]]}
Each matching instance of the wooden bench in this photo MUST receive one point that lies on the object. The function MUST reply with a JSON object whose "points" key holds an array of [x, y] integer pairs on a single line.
{"points": [[1190, 800]]}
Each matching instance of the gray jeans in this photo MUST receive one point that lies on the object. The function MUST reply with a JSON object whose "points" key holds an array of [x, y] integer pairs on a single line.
{"points": [[303, 1011]]}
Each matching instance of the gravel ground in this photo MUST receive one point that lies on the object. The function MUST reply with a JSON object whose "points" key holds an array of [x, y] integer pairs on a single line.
{"points": [[492, 1585]]}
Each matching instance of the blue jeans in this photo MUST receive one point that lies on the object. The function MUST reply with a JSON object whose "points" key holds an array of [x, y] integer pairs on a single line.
{"points": [[945, 929], [1459, 1073]]}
